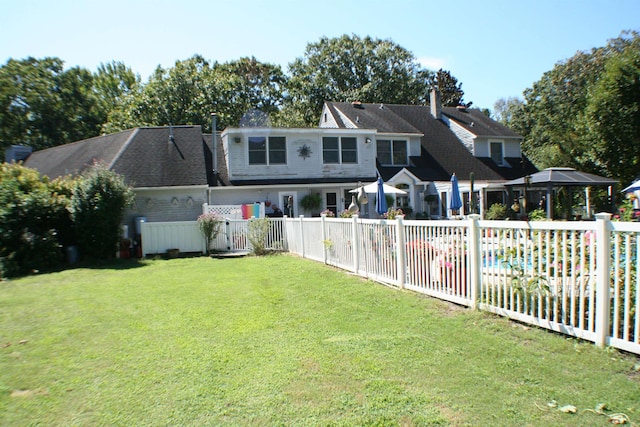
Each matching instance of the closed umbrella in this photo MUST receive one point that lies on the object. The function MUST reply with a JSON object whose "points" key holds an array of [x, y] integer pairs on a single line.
{"points": [[455, 203], [381, 201]]}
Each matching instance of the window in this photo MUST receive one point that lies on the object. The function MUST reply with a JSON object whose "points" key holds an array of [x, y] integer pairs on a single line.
{"points": [[402, 200], [339, 150], [274, 146], [349, 150], [277, 150], [330, 150], [392, 152], [257, 150], [496, 153]]}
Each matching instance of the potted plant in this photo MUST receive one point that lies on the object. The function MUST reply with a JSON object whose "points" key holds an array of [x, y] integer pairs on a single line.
{"points": [[311, 202]]}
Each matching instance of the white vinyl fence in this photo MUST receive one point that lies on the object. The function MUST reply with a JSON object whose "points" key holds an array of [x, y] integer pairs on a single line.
{"points": [[577, 278], [159, 237]]}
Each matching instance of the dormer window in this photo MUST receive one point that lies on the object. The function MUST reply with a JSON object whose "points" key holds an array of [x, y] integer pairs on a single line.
{"points": [[267, 151], [339, 150], [497, 154], [392, 152]]}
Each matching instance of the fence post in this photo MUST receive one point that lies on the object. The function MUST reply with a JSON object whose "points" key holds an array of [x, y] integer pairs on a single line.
{"points": [[603, 272], [323, 233], [401, 266], [475, 259], [285, 235], [301, 217], [355, 244], [227, 231]]}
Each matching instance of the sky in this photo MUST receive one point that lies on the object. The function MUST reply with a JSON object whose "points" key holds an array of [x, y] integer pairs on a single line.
{"points": [[495, 48]]}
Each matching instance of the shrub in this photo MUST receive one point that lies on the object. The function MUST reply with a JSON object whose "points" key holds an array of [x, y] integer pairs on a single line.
{"points": [[258, 234], [209, 225], [537, 215], [346, 214], [34, 221], [98, 204], [497, 211], [392, 213]]}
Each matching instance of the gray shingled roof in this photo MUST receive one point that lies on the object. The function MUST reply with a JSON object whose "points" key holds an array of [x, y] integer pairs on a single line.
{"points": [[146, 157], [374, 116], [443, 153], [74, 158], [478, 123]]}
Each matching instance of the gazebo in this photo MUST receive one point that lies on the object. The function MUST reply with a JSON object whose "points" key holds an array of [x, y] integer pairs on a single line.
{"points": [[551, 178]]}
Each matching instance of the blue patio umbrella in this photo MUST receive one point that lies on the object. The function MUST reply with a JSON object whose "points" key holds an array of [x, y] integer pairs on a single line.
{"points": [[455, 202], [381, 200]]}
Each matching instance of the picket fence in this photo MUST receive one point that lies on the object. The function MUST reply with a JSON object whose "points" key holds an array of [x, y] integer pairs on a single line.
{"points": [[576, 278]]}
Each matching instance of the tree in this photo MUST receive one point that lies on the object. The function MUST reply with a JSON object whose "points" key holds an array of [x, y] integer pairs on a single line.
{"points": [[255, 87], [42, 105], [98, 204], [191, 90], [451, 92], [505, 110], [612, 116], [350, 68], [558, 110], [112, 83]]}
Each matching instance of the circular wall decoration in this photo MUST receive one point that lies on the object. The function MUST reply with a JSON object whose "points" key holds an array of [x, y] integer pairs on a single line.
{"points": [[304, 151]]}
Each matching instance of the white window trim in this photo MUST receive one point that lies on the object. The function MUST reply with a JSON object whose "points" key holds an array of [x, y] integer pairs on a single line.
{"points": [[340, 153], [392, 140], [267, 140]]}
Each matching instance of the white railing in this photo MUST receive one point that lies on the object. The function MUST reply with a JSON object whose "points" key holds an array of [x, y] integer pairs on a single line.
{"points": [[577, 278]]}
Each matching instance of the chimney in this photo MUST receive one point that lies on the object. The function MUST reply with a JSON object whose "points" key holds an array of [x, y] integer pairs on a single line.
{"points": [[436, 104]]}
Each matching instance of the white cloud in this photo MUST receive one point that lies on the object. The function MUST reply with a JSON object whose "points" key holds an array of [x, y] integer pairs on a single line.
{"points": [[432, 63]]}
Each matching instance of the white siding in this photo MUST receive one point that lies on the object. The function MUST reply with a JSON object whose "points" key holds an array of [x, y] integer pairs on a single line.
{"points": [[297, 167], [512, 148], [327, 120], [464, 136]]}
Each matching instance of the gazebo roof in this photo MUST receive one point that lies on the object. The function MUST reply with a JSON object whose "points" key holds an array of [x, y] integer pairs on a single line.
{"points": [[563, 177]]}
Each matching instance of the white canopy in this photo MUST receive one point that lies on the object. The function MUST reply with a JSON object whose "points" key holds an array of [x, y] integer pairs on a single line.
{"points": [[373, 188]]}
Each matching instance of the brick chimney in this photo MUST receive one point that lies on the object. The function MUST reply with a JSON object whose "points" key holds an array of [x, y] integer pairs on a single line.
{"points": [[435, 104]]}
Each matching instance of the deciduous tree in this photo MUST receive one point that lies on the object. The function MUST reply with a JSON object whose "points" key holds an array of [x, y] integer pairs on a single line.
{"points": [[42, 105], [351, 68]]}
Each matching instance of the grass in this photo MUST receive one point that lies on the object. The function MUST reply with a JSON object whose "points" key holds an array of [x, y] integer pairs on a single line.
{"points": [[282, 341]]}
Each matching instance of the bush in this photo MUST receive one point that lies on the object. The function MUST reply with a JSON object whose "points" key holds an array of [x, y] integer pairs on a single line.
{"points": [[34, 221], [497, 211], [98, 204], [209, 225], [258, 234], [538, 215]]}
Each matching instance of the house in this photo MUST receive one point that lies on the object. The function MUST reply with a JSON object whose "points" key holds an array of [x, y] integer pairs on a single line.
{"points": [[414, 148], [170, 168], [175, 169], [419, 148]]}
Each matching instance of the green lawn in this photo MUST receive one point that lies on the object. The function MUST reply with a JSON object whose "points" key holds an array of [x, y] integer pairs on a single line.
{"points": [[279, 340]]}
